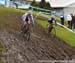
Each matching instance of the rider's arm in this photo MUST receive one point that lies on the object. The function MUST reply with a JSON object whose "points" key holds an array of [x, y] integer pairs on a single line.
{"points": [[24, 17], [32, 19]]}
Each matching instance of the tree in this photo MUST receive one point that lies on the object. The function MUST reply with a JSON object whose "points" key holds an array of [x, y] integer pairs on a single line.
{"points": [[42, 4], [47, 6], [33, 3]]}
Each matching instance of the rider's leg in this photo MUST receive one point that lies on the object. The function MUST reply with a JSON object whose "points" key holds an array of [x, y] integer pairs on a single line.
{"points": [[24, 27], [30, 26], [50, 27]]}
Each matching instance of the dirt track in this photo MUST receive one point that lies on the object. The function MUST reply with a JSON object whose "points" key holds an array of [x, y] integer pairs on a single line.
{"points": [[40, 47]]}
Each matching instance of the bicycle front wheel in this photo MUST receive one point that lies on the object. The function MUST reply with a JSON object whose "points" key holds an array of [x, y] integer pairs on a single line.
{"points": [[27, 35]]}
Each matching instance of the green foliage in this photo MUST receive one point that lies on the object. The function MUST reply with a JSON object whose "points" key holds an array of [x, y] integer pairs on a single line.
{"points": [[47, 6], [33, 3], [42, 4]]}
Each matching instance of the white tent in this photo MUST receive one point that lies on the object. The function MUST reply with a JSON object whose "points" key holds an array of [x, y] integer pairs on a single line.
{"points": [[61, 3]]}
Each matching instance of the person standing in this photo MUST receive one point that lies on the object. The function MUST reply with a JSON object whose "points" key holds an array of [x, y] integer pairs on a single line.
{"points": [[62, 19], [69, 19], [72, 21]]}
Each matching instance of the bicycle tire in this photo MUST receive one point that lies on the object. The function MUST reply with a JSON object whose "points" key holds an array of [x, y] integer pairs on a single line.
{"points": [[27, 35], [53, 32], [47, 28], [26, 32]]}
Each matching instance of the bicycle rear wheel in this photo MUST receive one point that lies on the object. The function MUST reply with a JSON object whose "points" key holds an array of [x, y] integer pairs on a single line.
{"points": [[53, 32], [49, 29]]}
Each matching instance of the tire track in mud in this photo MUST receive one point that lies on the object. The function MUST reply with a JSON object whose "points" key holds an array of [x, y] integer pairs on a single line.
{"points": [[38, 48], [65, 52], [65, 48]]}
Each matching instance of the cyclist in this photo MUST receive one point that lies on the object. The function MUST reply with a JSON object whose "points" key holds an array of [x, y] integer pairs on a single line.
{"points": [[50, 24], [28, 18]]}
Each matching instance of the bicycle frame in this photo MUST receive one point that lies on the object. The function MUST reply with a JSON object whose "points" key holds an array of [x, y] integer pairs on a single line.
{"points": [[26, 32]]}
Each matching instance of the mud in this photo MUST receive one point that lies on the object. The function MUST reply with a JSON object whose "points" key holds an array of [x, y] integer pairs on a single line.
{"points": [[40, 49]]}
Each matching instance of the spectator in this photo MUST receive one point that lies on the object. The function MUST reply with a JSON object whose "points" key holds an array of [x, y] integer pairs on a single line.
{"points": [[72, 20], [74, 23], [69, 19], [62, 19]]}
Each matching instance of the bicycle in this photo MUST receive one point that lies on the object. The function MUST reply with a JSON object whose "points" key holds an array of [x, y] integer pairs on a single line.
{"points": [[26, 32], [51, 30]]}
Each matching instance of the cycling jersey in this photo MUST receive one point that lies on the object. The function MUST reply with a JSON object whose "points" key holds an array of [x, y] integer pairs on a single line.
{"points": [[50, 20], [27, 17]]}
